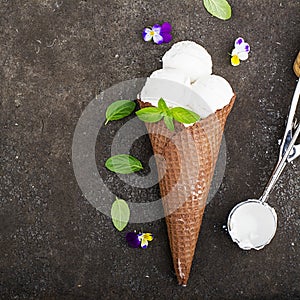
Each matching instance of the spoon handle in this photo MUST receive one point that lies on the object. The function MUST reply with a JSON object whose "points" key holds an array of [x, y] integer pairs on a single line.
{"points": [[279, 168], [296, 65]]}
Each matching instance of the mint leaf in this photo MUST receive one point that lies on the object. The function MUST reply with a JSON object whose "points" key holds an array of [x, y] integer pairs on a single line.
{"points": [[120, 214], [149, 114], [163, 106], [169, 122], [183, 115], [119, 110], [123, 164], [218, 8]]}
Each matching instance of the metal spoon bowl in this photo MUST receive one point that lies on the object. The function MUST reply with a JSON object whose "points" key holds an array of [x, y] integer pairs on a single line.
{"points": [[252, 224]]}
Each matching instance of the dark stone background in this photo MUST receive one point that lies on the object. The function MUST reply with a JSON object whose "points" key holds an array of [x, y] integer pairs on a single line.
{"points": [[55, 57]]}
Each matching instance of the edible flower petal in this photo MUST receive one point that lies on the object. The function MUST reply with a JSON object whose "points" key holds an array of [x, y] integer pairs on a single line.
{"points": [[133, 240], [158, 39], [167, 37], [147, 35], [239, 41], [156, 28], [240, 51], [243, 55], [166, 27], [235, 61], [165, 32], [145, 238]]}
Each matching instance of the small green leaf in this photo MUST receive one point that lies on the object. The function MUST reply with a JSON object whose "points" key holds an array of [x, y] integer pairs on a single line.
{"points": [[218, 8], [149, 114], [120, 214], [123, 164], [185, 116], [163, 106], [169, 122], [119, 110]]}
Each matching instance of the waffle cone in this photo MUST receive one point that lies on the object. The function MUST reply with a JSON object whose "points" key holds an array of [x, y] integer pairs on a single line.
{"points": [[186, 160]]}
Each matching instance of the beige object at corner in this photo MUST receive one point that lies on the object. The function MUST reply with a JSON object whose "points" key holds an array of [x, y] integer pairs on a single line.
{"points": [[186, 159], [296, 66]]}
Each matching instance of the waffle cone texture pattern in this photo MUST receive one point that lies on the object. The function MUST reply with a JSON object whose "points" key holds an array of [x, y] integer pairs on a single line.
{"points": [[186, 160]]}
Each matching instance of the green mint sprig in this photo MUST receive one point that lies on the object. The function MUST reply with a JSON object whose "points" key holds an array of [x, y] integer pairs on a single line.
{"points": [[155, 114], [167, 115]]}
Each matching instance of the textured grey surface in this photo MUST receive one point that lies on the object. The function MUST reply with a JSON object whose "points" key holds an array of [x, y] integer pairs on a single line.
{"points": [[55, 57]]}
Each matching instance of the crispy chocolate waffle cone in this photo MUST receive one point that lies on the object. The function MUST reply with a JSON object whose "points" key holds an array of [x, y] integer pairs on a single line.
{"points": [[185, 160]]}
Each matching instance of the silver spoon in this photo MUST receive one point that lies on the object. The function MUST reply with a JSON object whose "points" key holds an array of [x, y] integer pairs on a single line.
{"points": [[252, 223]]}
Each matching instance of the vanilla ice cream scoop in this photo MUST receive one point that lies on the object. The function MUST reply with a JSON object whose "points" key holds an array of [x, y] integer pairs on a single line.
{"points": [[214, 90], [252, 224], [190, 58], [169, 84], [173, 75], [175, 91]]}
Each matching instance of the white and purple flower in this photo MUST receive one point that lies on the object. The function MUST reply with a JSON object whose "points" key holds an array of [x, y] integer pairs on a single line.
{"points": [[159, 34], [240, 51]]}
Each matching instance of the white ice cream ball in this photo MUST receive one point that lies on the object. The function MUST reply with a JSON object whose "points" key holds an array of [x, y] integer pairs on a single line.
{"points": [[171, 74], [169, 84], [190, 58], [214, 90]]}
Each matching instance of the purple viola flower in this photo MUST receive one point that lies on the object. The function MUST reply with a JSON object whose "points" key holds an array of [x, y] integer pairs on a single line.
{"points": [[159, 34], [165, 32], [153, 33], [133, 240]]}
